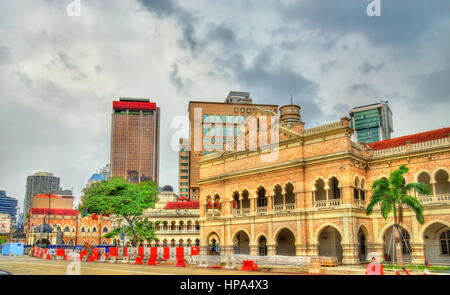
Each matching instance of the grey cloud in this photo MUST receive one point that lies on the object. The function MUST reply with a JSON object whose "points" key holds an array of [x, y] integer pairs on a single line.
{"points": [[401, 21], [368, 68], [362, 89], [433, 88], [328, 65], [274, 83], [182, 85], [186, 20]]}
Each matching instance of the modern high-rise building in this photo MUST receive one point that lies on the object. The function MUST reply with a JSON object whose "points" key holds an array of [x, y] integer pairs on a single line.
{"points": [[105, 172], [8, 205], [372, 122], [219, 127], [183, 168], [38, 183], [135, 140]]}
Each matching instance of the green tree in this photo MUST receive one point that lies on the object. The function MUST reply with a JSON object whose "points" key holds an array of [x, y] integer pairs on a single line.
{"points": [[126, 200], [3, 240], [391, 194], [143, 230]]}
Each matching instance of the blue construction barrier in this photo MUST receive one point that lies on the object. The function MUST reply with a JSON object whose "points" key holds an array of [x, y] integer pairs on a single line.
{"points": [[15, 249]]}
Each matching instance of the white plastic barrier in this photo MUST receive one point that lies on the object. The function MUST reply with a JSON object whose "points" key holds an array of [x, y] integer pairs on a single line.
{"points": [[206, 260], [233, 260]]}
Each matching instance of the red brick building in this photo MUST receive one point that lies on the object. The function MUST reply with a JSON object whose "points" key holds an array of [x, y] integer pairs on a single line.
{"points": [[311, 198], [63, 224]]}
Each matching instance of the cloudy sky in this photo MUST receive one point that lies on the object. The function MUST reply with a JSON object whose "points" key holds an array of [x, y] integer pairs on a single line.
{"points": [[60, 73]]}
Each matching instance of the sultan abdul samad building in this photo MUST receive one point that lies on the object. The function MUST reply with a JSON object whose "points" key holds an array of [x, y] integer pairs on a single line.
{"points": [[311, 199]]}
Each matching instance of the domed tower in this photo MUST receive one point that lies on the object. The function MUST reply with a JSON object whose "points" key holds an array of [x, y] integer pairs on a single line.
{"points": [[290, 115]]}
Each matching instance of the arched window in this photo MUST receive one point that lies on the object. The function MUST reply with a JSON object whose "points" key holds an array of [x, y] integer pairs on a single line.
{"points": [[442, 182], [319, 193], [197, 242], [425, 178], [262, 199], [105, 229], [356, 188], [217, 202], [66, 229], [83, 229], [335, 192], [290, 196], [89, 230], [362, 192], [94, 230], [445, 242]]}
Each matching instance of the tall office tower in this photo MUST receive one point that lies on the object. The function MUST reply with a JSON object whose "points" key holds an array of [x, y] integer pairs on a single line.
{"points": [[219, 126], [8, 205], [372, 122], [183, 168], [135, 140], [38, 183], [105, 172]]}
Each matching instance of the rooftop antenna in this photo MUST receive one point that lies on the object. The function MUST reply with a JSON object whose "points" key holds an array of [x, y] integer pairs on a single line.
{"points": [[291, 99]]}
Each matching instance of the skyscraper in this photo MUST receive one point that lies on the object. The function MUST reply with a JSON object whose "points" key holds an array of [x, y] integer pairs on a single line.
{"points": [[183, 168], [219, 126], [38, 183], [135, 140], [8, 205], [372, 122]]}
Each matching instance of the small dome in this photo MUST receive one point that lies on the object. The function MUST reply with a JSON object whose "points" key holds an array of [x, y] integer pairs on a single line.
{"points": [[96, 176], [167, 188]]}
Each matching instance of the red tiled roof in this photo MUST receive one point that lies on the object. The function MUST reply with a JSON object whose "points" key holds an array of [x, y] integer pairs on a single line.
{"points": [[70, 212], [414, 138], [182, 205], [182, 198], [134, 105]]}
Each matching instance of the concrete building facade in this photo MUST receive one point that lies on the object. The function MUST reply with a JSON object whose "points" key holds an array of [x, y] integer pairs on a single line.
{"points": [[179, 217], [38, 183], [311, 198], [214, 125]]}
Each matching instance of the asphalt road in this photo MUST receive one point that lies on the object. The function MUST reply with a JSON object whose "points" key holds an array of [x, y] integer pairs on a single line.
{"points": [[26, 265]]}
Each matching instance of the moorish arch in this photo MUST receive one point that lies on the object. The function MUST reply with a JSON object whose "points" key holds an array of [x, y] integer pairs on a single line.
{"points": [[261, 241], [241, 241], [442, 181], [427, 225], [363, 239], [388, 245], [284, 241], [212, 239], [329, 239], [435, 171]]}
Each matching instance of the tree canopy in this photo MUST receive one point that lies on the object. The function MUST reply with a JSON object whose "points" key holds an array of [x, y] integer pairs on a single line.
{"points": [[116, 196]]}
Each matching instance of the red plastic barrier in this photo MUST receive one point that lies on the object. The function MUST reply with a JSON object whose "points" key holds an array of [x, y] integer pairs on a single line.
{"points": [[60, 252], [180, 261], [141, 251], [151, 260], [255, 268], [95, 253], [106, 255], [405, 270], [154, 252], [374, 269], [125, 251], [194, 251], [114, 251], [180, 251], [166, 255], [138, 260], [91, 258], [83, 253], [247, 265], [48, 257]]}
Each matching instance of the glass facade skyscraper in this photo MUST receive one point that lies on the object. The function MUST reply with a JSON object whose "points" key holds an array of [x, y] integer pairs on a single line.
{"points": [[8, 205], [372, 122]]}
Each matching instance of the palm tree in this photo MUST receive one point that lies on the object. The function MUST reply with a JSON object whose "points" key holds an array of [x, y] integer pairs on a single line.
{"points": [[391, 194]]}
